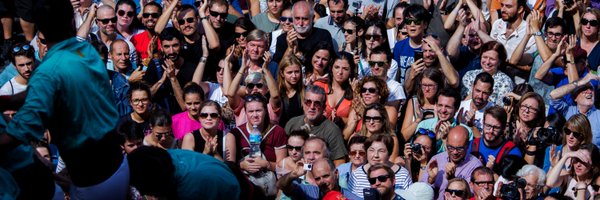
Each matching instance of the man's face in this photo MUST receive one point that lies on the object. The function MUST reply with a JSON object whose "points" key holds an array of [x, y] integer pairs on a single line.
{"points": [[553, 37], [129, 145], [492, 129], [44, 153], [24, 66], [106, 19], [164, 135], [586, 98], [170, 49], [313, 150], [217, 15], [119, 54], [398, 16], [481, 94], [445, 108], [510, 11], [429, 56], [256, 49], [532, 189], [42, 45], [302, 19], [313, 106], [379, 65], [415, 27], [275, 6], [325, 177], [190, 22], [457, 146], [255, 112], [384, 187], [150, 16], [338, 13], [483, 182]]}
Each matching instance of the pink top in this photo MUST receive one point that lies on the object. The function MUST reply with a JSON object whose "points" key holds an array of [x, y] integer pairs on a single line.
{"points": [[183, 124]]}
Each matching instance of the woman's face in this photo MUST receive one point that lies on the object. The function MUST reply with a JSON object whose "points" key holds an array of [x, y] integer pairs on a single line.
{"points": [[587, 29], [209, 117], [295, 142], [320, 60], [369, 96], [453, 189], [374, 121], [572, 140], [292, 74], [341, 70], [163, 135], [425, 143], [528, 110], [582, 168], [241, 33], [428, 87], [192, 103], [258, 88], [377, 153], [490, 61], [255, 112], [350, 37], [358, 155], [287, 25], [125, 15], [373, 37], [222, 64], [275, 6], [140, 102]]}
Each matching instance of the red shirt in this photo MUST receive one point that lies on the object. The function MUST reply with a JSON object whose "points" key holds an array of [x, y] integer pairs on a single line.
{"points": [[274, 138], [140, 42]]}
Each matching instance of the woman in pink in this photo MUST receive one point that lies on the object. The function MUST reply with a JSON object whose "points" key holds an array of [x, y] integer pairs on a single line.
{"points": [[189, 120]]}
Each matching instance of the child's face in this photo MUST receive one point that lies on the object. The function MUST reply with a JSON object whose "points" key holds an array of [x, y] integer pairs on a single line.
{"points": [[129, 146]]}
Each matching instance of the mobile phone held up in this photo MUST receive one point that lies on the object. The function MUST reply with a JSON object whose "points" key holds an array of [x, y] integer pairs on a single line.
{"points": [[418, 55]]}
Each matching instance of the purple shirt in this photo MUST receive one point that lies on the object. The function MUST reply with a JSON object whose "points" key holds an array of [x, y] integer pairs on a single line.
{"points": [[463, 170]]}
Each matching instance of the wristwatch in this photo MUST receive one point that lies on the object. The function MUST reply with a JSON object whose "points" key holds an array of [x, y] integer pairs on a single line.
{"points": [[539, 33], [205, 17]]}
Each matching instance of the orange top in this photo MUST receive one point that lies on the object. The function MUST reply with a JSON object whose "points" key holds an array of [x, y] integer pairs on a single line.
{"points": [[343, 108]]}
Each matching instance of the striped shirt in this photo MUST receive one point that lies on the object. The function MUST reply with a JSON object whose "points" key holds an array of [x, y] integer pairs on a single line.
{"points": [[358, 180]]}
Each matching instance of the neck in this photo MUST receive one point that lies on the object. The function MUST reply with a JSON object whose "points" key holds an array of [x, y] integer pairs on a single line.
{"points": [[583, 109], [150, 32], [336, 85], [495, 143], [260, 127], [585, 178], [416, 41], [514, 25], [192, 38], [192, 117], [178, 63], [589, 39], [137, 118], [208, 132], [478, 107], [289, 88], [19, 79], [389, 196], [122, 29], [312, 123], [527, 125]]}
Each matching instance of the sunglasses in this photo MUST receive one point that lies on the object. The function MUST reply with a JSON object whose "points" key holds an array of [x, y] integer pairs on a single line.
{"points": [[375, 37], [43, 41], [382, 178], [349, 31], [286, 19], [153, 15], [370, 90], [592, 22], [183, 21], [427, 132], [255, 97], [19, 48], [215, 14], [374, 118], [459, 193], [197, 3], [237, 35], [310, 103], [159, 136], [105, 21], [409, 21], [212, 115], [290, 147], [254, 85], [358, 153], [568, 131], [122, 13], [377, 63]]}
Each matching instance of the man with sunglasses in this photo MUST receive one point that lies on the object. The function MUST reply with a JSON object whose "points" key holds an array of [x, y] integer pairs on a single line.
{"points": [[107, 33], [325, 177], [150, 14], [493, 146], [456, 162], [416, 20], [379, 63], [334, 22], [382, 178]]}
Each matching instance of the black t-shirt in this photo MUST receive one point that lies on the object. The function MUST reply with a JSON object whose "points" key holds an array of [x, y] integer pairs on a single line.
{"points": [[143, 127], [291, 108], [165, 97], [306, 45]]}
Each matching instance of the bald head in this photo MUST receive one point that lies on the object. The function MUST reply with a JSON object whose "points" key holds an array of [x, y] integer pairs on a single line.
{"points": [[325, 175], [103, 9], [457, 142]]}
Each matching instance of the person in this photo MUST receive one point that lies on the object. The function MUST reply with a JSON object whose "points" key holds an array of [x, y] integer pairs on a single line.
{"points": [[421, 106], [325, 176], [415, 160], [291, 86], [162, 132], [189, 120], [357, 157], [528, 115], [107, 32], [216, 12], [373, 122], [416, 20], [295, 144], [465, 57], [455, 162], [126, 13], [379, 148], [243, 26], [353, 29], [472, 109], [314, 100], [285, 25], [208, 139], [381, 177], [374, 36], [150, 14], [213, 90], [577, 132], [398, 31], [379, 63], [482, 183], [334, 22], [417, 190], [493, 146], [318, 63], [269, 21], [536, 179], [493, 57], [339, 90], [589, 35], [21, 56], [132, 136], [581, 176], [458, 189], [139, 97], [123, 75], [176, 174], [89, 145]]}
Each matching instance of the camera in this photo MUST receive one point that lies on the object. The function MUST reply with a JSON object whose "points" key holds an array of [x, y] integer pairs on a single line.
{"points": [[371, 194], [549, 135], [510, 191], [507, 101], [307, 166], [416, 148], [357, 4]]}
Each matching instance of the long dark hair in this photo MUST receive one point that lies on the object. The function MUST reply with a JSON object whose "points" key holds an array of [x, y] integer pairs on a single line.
{"points": [[348, 93]]}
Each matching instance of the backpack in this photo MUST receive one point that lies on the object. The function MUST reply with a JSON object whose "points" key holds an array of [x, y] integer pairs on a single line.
{"points": [[507, 146]]}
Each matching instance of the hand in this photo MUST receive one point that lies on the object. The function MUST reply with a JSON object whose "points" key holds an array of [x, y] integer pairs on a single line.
{"points": [[137, 75], [535, 22], [170, 69], [432, 170], [292, 38], [417, 67], [93, 9], [76, 4], [299, 170], [419, 112], [572, 7], [267, 59], [407, 151], [483, 194], [442, 129], [152, 46], [490, 162], [202, 9], [432, 44], [450, 169], [251, 165], [204, 47], [571, 45], [462, 18], [420, 157], [554, 156]]}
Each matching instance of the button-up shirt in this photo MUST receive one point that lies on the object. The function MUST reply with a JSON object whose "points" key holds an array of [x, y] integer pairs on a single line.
{"points": [[462, 170], [511, 41], [337, 34], [568, 109]]}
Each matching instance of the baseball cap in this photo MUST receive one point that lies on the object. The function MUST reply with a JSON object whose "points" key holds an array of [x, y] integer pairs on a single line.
{"points": [[418, 190]]}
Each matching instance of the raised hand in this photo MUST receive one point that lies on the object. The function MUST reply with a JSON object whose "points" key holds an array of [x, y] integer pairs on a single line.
{"points": [[450, 169], [490, 162], [204, 47], [432, 170], [267, 59], [137, 75], [554, 156], [169, 68]]}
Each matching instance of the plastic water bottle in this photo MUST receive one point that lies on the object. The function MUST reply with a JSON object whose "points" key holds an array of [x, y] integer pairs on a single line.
{"points": [[255, 138]]}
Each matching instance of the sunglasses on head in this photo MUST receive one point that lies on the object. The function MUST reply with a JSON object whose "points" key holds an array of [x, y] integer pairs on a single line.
{"points": [[568, 131], [105, 21], [349, 31], [409, 21], [254, 85], [212, 115], [377, 63], [286, 19], [153, 15], [382, 178], [355, 153], [216, 14], [370, 90], [255, 97], [459, 193], [19, 48], [122, 13], [183, 21], [592, 22], [290, 147], [375, 37], [427, 132], [237, 35]]}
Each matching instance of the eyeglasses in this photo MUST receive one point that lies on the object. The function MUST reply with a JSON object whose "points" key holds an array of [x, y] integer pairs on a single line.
{"points": [[292, 148], [216, 14], [427, 132], [382, 178], [591, 22], [374, 37], [138, 101], [528, 109], [377, 63], [197, 3], [349, 31], [105, 21], [492, 127], [212, 115], [122, 13], [153, 15], [183, 21], [483, 183], [358, 153], [43, 41], [428, 86], [453, 148], [568, 131], [159, 136], [254, 85], [458, 193], [237, 35], [309, 103], [286, 19], [369, 90], [19, 48], [409, 21], [551, 34], [373, 118]]}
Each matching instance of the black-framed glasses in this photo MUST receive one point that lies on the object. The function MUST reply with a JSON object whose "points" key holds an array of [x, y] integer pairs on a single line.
{"points": [[369, 90], [237, 35], [373, 118], [142, 101], [216, 14], [491, 127], [591, 22], [377, 63], [315, 103], [552, 34], [374, 37], [427, 132], [18, 48], [123, 13], [188, 20], [382, 178], [483, 183], [286, 19], [212, 115], [530, 109], [105, 21], [409, 21], [458, 193], [153, 15], [568, 131], [291, 148], [453, 148], [349, 31], [254, 85]]}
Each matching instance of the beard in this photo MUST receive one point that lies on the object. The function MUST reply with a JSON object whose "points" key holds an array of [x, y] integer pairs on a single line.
{"points": [[302, 30]]}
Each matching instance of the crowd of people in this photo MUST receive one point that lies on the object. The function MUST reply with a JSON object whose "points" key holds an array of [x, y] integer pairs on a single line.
{"points": [[280, 99]]}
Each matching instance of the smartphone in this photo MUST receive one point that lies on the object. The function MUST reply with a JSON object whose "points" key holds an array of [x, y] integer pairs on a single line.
{"points": [[418, 55], [371, 194]]}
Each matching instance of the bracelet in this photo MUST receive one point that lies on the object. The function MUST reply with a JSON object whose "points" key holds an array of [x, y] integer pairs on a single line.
{"points": [[203, 59], [576, 83]]}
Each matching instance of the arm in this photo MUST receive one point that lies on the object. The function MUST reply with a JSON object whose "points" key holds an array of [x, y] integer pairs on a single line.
{"points": [[518, 57], [395, 151], [199, 72], [447, 68], [162, 21], [392, 111], [209, 31], [275, 101], [285, 182], [157, 85], [84, 29], [451, 19], [572, 73], [351, 125], [454, 42], [568, 88], [554, 178], [234, 99], [188, 142], [172, 75], [230, 148], [254, 7], [408, 125]]}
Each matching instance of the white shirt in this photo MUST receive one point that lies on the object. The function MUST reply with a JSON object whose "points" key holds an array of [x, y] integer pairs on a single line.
{"points": [[396, 91], [365, 69], [274, 35], [216, 93], [12, 87], [512, 41], [478, 121]]}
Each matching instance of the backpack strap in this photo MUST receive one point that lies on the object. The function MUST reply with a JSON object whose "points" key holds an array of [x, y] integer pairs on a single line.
{"points": [[506, 147], [475, 146]]}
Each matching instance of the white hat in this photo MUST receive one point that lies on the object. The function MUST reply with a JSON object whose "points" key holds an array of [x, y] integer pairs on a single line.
{"points": [[418, 191]]}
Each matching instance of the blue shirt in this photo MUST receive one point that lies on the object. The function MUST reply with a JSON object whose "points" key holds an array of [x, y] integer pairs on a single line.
{"points": [[485, 151], [404, 55], [568, 109]]}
